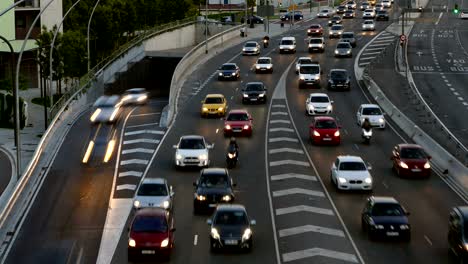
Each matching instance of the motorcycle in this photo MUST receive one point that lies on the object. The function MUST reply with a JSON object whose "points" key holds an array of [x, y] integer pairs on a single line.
{"points": [[231, 157], [366, 135], [265, 43]]}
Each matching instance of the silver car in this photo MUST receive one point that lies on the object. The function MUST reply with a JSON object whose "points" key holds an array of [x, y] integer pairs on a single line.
{"points": [[106, 109], [135, 96], [368, 13], [343, 49], [348, 37], [154, 192], [335, 31], [368, 25], [251, 48]]}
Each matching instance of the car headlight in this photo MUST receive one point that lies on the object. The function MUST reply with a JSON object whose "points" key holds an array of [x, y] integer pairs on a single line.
{"points": [[349, 51], [403, 165], [220, 109], [204, 109], [220, 74], [142, 98], [404, 227], [178, 157], [226, 198], [231, 155], [247, 234], [136, 204], [214, 233], [308, 31], [200, 197], [166, 204], [233, 74], [245, 95], [131, 242], [114, 114], [337, 133], [341, 180], [317, 77], [311, 107], [329, 107], [203, 157], [466, 247], [337, 52], [246, 127], [310, 46], [165, 242], [368, 180], [243, 49], [228, 127], [255, 49], [269, 66], [317, 134], [258, 67], [261, 95], [301, 77], [379, 227], [427, 165], [339, 32], [381, 120], [95, 114]]}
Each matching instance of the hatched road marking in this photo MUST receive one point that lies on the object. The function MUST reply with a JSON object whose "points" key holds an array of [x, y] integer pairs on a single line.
{"points": [[310, 228], [130, 187], [134, 161], [280, 139], [281, 129], [297, 191], [149, 124], [312, 252], [289, 162], [137, 150], [142, 140], [156, 132], [303, 208], [282, 150], [130, 173], [279, 113], [280, 121], [286, 176]]}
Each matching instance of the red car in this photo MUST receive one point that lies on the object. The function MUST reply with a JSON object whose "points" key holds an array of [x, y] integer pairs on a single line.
{"points": [[238, 122], [325, 130], [315, 30], [411, 160], [151, 234]]}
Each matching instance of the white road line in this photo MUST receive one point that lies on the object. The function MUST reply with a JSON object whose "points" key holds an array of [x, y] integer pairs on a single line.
{"points": [[217, 130], [367, 58], [388, 41], [375, 49], [130, 187], [149, 124], [141, 140], [362, 64], [312, 252], [280, 122], [145, 131], [137, 150], [284, 129], [438, 20], [195, 240], [310, 228], [279, 113], [446, 81], [448, 84], [278, 105], [289, 162], [371, 53], [282, 150], [147, 114], [130, 173], [385, 185], [456, 94], [465, 103], [286, 176], [134, 161], [452, 89], [303, 208], [386, 37], [378, 45], [297, 191], [280, 139], [461, 98]]}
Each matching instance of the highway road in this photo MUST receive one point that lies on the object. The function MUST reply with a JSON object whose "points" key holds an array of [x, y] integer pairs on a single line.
{"points": [[300, 217], [5, 164]]}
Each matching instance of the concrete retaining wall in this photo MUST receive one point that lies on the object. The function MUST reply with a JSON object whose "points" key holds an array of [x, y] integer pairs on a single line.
{"points": [[180, 38]]}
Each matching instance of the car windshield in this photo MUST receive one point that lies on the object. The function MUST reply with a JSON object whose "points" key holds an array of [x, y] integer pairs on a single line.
{"points": [[349, 11], [371, 111], [387, 209], [309, 70], [263, 61], [412, 153], [136, 91], [251, 44], [254, 87], [305, 61], [319, 99], [152, 189], [338, 74], [337, 27], [336, 18], [231, 218], [382, 12], [237, 117], [287, 42], [325, 124], [229, 66], [352, 166], [213, 180], [342, 46], [325, 11], [149, 224], [368, 10], [315, 27], [347, 35], [368, 22], [316, 41], [192, 143], [213, 100]]}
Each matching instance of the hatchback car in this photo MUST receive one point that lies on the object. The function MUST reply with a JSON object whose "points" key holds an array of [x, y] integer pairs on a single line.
{"points": [[319, 104], [351, 173], [136, 96], [364, 6], [251, 48], [348, 37], [151, 234], [368, 25], [381, 15], [373, 112], [309, 75], [238, 122], [339, 79], [335, 20], [349, 14], [324, 13], [303, 60], [316, 44], [212, 187], [385, 217], [315, 30], [464, 14], [411, 160], [229, 71], [214, 105], [458, 232], [254, 92], [192, 150], [368, 14], [324, 130], [231, 227], [106, 109], [341, 9], [264, 64], [343, 49], [154, 192], [335, 31]]}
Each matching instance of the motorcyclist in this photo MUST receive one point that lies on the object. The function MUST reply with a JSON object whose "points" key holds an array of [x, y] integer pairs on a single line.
{"points": [[366, 125], [266, 41], [233, 145]]}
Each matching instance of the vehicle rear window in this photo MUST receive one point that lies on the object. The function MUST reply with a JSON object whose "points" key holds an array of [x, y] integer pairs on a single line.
{"points": [[149, 224], [347, 35], [387, 209], [237, 117], [213, 181], [309, 70], [352, 166], [412, 153], [319, 99], [231, 218], [152, 189], [193, 143], [325, 124], [229, 66], [371, 111], [287, 42], [214, 100]]}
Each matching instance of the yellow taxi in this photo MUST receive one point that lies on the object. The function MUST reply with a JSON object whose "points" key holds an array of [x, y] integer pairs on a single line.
{"points": [[214, 104]]}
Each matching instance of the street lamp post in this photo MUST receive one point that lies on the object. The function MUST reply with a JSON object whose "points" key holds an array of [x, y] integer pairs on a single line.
{"points": [[11, 7], [87, 36], [206, 27]]}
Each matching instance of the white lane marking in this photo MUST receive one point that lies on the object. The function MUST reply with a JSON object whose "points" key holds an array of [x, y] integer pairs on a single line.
{"points": [[385, 37], [280, 121], [282, 150], [438, 20], [80, 256], [279, 113], [446, 81], [371, 53], [378, 45], [443, 76], [303, 208], [130, 187], [195, 240], [284, 129], [456, 94], [310, 228], [289, 162], [278, 105], [382, 41], [367, 58], [232, 97], [465, 103], [428, 240], [217, 130], [134, 161], [141, 140], [363, 64], [375, 49], [460, 98], [147, 114], [312, 252], [452, 89], [145, 131], [149, 124], [130, 173], [356, 146], [286, 176], [385, 185], [137, 150], [448, 84], [297, 191], [280, 139]]}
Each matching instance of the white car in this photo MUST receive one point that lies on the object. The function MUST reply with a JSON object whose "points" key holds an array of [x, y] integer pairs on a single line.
{"points": [[319, 103], [264, 64], [351, 173], [387, 3], [351, 5], [368, 13], [309, 74], [379, 6], [135, 96], [464, 14], [364, 6], [192, 150], [335, 31], [373, 112], [368, 25], [106, 109], [154, 192], [316, 44], [303, 60], [325, 13], [251, 48], [287, 44]]}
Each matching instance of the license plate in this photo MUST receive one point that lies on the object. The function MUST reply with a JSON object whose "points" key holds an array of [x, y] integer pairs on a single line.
{"points": [[416, 170], [253, 99], [230, 242], [263, 69], [237, 130], [339, 85], [392, 234], [148, 252], [212, 205], [327, 139]]}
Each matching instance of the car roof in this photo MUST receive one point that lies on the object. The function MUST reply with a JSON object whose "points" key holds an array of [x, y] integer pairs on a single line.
{"points": [[230, 63], [338, 70], [251, 42], [350, 158], [238, 111], [320, 118], [321, 38], [318, 94], [214, 171], [383, 199], [310, 64], [269, 58], [230, 207], [406, 145], [154, 180], [288, 38], [369, 106], [368, 20], [214, 95], [192, 137], [151, 211], [136, 89], [106, 99], [304, 58]]}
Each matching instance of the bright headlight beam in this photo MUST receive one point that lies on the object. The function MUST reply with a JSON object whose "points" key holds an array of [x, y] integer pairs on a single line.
{"points": [[89, 150], [109, 150], [95, 114]]}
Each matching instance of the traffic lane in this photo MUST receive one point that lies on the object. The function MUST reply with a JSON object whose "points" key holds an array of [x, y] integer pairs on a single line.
{"points": [[5, 166]]}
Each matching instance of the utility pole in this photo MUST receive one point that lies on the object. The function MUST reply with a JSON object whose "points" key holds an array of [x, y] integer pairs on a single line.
{"points": [[206, 27]]}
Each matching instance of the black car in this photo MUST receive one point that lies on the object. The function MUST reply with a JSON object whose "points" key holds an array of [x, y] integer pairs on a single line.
{"points": [[458, 232], [212, 187], [349, 14], [255, 19], [254, 92], [349, 37], [339, 79], [335, 20], [231, 227], [381, 15], [385, 217], [288, 16], [229, 71], [341, 9]]}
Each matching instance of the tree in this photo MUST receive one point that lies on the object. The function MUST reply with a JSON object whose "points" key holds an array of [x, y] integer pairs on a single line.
{"points": [[72, 49]]}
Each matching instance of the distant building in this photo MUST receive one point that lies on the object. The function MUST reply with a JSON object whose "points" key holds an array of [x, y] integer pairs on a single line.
{"points": [[14, 27]]}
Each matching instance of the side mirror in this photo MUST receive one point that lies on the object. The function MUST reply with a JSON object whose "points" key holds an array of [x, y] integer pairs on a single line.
{"points": [[331, 102], [250, 119], [209, 221], [253, 222], [211, 146], [173, 229], [174, 146], [234, 184], [407, 213], [369, 167]]}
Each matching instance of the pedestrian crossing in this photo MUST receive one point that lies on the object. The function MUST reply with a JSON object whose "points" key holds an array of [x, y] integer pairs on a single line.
{"points": [[375, 48]]}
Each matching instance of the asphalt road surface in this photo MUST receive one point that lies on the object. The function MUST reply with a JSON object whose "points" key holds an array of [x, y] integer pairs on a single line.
{"points": [[5, 165]]}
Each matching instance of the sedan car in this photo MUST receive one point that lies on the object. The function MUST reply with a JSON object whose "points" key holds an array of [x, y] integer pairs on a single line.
{"points": [[458, 232], [154, 192], [303, 60], [315, 30], [341, 9], [348, 37], [411, 160], [289, 15], [324, 130], [106, 109], [251, 48], [373, 112], [343, 49], [136, 96], [335, 20], [351, 5], [339, 79], [351, 173], [335, 31], [309, 74], [254, 92], [192, 150], [368, 13], [349, 14], [231, 227], [386, 3], [319, 103], [229, 71], [238, 122], [264, 64], [214, 105], [364, 6], [382, 15], [385, 217], [151, 234], [255, 19], [368, 25], [316, 44], [324, 13], [379, 7], [214, 186]]}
